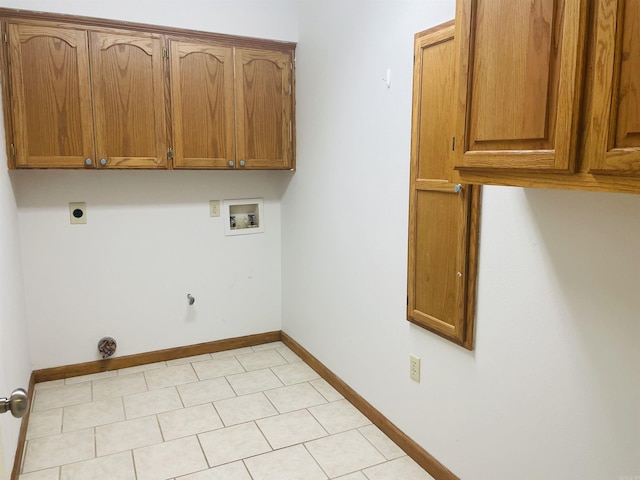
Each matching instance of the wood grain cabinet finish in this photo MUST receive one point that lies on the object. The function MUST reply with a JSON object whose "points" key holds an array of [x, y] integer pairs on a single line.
{"points": [[128, 97], [51, 100], [613, 128], [443, 215], [86, 99], [264, 107], [547, 94], [520, 73], [232, 107], [202, 100], [89, 93]]}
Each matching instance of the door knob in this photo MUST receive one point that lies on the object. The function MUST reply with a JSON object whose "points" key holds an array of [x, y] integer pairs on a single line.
{"points": [[17, 403]]}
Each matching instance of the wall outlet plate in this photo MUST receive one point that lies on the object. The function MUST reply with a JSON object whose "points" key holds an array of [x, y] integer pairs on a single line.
{"points": [[214, 208], [414, 368], [77, 213]]}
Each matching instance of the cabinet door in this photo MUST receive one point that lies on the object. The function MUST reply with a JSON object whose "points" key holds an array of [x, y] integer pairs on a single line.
{"points": [[520, 64], [129, 101], [613, 132], [202, 105], [50, 96], [264, 105], [442, 214]]}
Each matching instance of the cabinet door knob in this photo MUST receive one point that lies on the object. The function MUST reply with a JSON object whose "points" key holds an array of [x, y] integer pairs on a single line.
{"points": [[231, 163], [87, 161], [242, 163], [103, 161], [457, 188]]}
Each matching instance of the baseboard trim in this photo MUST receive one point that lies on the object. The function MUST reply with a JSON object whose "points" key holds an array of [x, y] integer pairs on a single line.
{"points": [[75, 370], [415, 451]]}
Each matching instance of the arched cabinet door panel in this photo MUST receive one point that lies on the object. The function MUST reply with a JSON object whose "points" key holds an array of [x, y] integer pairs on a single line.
{"points": [[202, 104], [51, 96], [264, 109], [129, 101]]}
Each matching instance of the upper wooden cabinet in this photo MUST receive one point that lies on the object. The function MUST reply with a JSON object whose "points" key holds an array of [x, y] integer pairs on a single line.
{"points": [[87, 93], [202, 101], [519, 85], [264, 123], [66, 114], [223, 119], [128, 100], [547, 94], [51, 96], [613, 130]]}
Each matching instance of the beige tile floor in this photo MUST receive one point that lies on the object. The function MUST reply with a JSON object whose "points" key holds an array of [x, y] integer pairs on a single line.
{"points": [[253, 413]]}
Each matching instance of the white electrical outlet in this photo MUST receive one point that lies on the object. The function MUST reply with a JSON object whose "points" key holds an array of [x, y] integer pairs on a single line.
{"points": [[414, 368], [214, 208]]}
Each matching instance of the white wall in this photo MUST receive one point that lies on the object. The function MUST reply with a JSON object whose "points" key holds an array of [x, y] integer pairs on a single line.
{"points": [[273, 19], [148, 242], [552, 388], [149, 239], [14, 348]]}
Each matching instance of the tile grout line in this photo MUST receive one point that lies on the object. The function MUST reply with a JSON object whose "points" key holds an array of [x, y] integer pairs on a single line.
{"points": [[304, 445], [223, 425]]}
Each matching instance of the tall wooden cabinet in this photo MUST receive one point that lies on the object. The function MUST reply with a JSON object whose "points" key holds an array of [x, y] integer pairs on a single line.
{"points": [[87, 93], [443, 214]]}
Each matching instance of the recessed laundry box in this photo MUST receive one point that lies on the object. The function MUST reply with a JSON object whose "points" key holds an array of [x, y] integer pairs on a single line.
{"points": [[243, 216]]}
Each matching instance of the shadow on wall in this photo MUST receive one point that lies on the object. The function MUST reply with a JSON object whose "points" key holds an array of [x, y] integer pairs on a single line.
{"points": [[38, 189], [592, 245]]}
